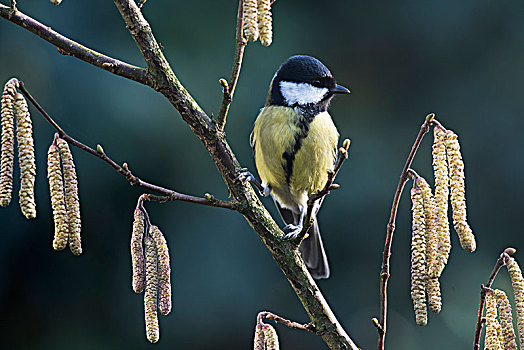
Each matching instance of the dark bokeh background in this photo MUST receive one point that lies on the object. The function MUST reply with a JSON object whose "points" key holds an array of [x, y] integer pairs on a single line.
{"points": [[462, 60]]}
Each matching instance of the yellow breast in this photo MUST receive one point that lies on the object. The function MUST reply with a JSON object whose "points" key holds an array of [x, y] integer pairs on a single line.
{"points": [[275, 134]]}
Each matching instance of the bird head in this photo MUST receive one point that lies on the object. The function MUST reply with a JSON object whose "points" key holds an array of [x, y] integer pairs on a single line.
{"points": [[304, 82]]}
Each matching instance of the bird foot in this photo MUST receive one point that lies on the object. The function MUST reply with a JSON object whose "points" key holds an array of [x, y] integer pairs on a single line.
{"points": [[295, 230], [244, 176]]}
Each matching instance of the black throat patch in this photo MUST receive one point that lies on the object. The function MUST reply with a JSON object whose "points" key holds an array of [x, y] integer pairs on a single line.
{"points": [[307, 114]]}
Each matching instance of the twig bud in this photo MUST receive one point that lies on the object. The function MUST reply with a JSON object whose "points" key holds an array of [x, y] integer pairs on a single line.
{"points": [[418, 259], [430, 117], [137, 252], [250, 20], [71, 196], [99, 149], [56, 189], [458, 196], [265, 22], [492, 340], [346, 144], [26, 157], [56, 2], [150, 295], [510, 251], [506, 320], [440, 168], [223, 82], [518, 290], [8, 136], [271, 337], [164, 270]]}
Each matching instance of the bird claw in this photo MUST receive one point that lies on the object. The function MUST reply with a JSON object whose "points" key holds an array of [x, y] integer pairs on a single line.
{"points": [[244, 176], [295, 230]]}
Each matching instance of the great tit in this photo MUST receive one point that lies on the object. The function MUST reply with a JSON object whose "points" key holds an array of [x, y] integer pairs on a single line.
{"points": [[295, 143]]}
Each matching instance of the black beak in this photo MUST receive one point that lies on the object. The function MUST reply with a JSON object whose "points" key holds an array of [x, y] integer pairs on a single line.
{"points": [[338, 89]]}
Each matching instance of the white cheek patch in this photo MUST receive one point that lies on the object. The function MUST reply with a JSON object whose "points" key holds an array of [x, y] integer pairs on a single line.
{"points": [[301, 93]]}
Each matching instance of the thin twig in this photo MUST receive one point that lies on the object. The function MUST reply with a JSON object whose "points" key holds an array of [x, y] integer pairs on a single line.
{"points": [[271, 316], [328, 187], [384, 275], [72, 48], [439, 125], [169, 195], [140, 206], [229, 88], [484, 290]]}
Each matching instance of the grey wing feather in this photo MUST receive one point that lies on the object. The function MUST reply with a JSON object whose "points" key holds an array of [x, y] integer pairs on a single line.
{"points": [[314, 254]]}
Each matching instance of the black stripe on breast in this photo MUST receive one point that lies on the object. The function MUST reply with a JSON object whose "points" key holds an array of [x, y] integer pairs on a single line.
{"points": [[303, 123]]}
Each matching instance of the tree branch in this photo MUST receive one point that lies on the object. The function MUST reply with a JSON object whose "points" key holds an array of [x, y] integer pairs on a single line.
{"points": [[384, 275], [169, 195], [271, 316], [160, 76], [283, 251], [504, 256], [229, 88], [69, 47]]}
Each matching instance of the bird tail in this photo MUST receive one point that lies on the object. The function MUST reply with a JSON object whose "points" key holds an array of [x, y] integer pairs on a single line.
{"points": [[314, 254], [311, 248]]}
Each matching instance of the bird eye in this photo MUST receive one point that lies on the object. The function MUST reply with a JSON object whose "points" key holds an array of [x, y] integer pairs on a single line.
{"points": [[316, 83]]}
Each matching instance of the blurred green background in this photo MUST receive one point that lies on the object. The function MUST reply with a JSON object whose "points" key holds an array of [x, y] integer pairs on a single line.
{"points": [[462, 60]]}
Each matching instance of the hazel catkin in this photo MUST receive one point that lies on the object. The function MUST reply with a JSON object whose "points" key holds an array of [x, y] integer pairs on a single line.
{"points": [[440, 169], [71, 196], [26, 157], [251, 20], [151, 292], [8, 153], [265, 22], [434, 295], [432, 284], [506, 320], [137, 252], [517, 281], [259, 341], [271, 337], [56, 189], [164, 270], [458, 195], [418, 259], [492, 340]]}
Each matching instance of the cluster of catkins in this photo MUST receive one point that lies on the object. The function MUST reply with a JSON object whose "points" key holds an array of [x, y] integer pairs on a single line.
{"points": [[258, 21], [500, 334], [151, 272], [431, 244], [14, 103], [63, 187], [265, 337], [64, 190]]}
